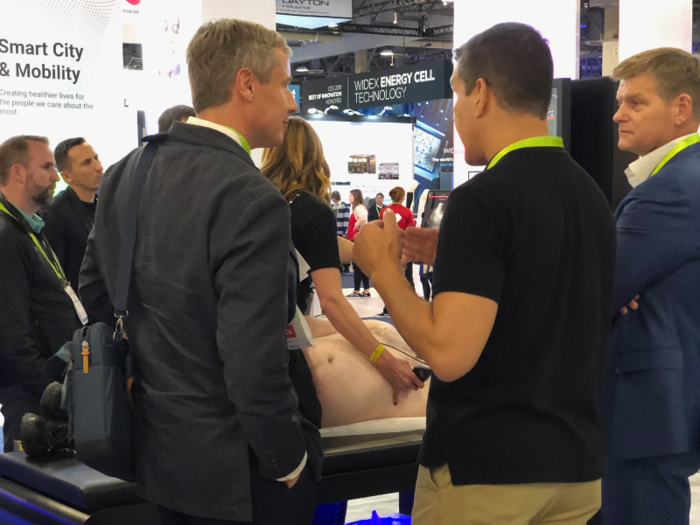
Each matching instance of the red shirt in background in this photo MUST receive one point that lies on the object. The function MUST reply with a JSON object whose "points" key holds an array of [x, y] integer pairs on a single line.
{"points": [[404, 216]]}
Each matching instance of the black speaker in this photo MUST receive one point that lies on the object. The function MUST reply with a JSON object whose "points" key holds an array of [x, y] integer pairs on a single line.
{"points": [[594, 136]]}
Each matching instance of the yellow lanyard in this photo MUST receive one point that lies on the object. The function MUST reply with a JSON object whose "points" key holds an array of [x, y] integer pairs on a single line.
{"points": [[534, 142], [693, 139], [57, 266]]}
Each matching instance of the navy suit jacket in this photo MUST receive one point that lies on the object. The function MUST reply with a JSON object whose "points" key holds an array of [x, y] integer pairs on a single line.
{"points": [[653, 397]]}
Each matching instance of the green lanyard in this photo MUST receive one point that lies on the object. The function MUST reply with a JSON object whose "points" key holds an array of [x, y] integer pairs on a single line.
{"points": [[534, 142], [55, 265], [693, 139], [244, 142]]}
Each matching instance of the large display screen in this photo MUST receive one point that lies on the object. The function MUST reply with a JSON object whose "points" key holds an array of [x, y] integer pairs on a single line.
{"points": [[427, 143]]}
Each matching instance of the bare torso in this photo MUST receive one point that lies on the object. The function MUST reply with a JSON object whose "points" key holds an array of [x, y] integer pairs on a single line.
{"points": [[351, 389]]}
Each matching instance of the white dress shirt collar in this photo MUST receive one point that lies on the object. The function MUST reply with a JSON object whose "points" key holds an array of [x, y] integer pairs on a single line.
{"points": [[640, 170], [232, 134]]}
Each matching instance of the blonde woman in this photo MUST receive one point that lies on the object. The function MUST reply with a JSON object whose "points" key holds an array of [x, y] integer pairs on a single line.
{"points": [[299, 170]]}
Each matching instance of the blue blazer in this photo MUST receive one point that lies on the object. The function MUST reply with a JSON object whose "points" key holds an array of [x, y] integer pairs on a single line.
{"points": [[652, 403]]}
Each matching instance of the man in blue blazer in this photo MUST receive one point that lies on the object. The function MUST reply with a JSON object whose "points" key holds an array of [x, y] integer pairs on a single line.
{"points": [[652, 399]]}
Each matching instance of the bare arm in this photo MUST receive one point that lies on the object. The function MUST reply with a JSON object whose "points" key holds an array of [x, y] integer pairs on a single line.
{"points": [[449, 333], [345, 248], [361, 214], [346, 321]]}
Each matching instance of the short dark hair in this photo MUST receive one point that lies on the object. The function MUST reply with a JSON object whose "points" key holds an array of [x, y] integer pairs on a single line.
{"points": [[172, 114], [515, 62], [16, 150], [61, 152], [378, 194], [335, 196]]}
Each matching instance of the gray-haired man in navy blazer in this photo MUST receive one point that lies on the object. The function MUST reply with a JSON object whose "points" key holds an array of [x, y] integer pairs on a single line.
{"points": [[218, 437]]}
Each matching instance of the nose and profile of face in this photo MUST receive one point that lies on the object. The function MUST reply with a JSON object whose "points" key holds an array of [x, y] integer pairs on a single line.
{"points": [[40, 173], [85, 168], [646, 121], [273, 105]]}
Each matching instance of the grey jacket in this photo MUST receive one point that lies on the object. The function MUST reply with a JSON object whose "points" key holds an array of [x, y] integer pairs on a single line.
{"points": [[207, 314]]}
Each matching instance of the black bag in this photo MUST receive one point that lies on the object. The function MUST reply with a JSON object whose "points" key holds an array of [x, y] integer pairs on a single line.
{"points": [[99, 416]]}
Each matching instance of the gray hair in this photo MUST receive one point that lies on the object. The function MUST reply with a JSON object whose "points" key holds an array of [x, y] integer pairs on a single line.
{"points": [[220, 49]]}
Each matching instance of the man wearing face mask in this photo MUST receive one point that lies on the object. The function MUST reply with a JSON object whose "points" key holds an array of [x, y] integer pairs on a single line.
{"points": [[70, 218], [653, 401], [38, 316]]}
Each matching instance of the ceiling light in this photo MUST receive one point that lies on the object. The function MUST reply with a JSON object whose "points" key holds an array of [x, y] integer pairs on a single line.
{"points": [[302, 69], [387, 53], [396, 18], [333, 26]]}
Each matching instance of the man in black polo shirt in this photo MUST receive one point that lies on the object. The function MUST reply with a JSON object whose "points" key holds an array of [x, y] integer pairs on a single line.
{"points": [[518, 328]]}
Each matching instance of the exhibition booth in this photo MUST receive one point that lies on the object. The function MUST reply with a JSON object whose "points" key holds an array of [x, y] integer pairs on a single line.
{"points": [[107, 70], [391, 127]]}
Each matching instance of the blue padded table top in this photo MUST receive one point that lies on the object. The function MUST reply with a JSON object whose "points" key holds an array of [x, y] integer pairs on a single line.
{"points": [[62, 477]]}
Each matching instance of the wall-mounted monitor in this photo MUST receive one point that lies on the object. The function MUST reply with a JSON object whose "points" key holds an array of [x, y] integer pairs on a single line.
{"points": [[435, 208], [428, 143]]}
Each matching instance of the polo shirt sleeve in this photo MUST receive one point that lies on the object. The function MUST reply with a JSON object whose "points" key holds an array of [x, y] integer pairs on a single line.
{"points": [[472, 246]]}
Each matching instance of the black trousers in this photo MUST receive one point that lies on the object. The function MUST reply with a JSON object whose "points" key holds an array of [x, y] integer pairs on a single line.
{"points": [[273, 503], [360, 278], [16, 401]]}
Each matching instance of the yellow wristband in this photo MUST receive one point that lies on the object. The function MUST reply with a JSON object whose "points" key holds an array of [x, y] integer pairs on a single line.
{"points": [[377, 354]]}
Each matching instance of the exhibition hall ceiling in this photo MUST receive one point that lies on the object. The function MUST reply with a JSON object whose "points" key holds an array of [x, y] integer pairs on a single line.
{"points": [[386, 33]]}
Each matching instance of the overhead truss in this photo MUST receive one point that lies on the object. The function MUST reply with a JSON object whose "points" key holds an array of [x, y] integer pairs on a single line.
{"points": [[394, 5], [389, 30]]}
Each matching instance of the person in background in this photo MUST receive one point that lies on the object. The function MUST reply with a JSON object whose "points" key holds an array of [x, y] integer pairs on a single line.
{"points": [[38, 315], [174, 114], [299, 170], [374, 212], [357, 220], [218, 435], [70, 218], [405, 219], [342, 212], [517, 332], [652, 402]]}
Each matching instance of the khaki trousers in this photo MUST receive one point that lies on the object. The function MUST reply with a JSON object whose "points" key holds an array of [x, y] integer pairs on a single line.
{"points": [[438, 502]]}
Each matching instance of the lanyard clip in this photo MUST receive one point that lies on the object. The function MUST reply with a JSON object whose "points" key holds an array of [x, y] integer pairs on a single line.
{"points": [[119, 328]]}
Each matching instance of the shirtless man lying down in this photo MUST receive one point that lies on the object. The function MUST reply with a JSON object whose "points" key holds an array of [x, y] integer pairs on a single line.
{"points": [[350, 389]]}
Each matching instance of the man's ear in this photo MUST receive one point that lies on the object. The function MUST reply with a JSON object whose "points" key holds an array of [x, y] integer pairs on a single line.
{"points": [[245, 84], [683, 109], [18, 173], [483, 97], [65, 175]]}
